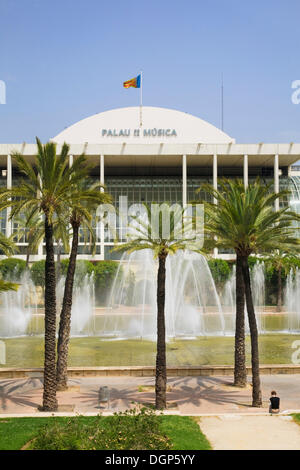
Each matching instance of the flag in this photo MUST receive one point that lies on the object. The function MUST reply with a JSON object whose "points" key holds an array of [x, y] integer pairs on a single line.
{"points": [[133, 82]]}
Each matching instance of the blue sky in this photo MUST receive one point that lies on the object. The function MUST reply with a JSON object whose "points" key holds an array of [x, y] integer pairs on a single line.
{"points": [[65, 60]]}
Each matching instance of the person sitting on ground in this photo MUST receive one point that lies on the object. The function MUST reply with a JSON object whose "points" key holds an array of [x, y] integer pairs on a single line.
{"points": [[275, 403]]}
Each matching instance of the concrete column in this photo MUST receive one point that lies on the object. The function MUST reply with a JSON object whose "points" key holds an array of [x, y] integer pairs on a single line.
{"points": [[215, 185], [70, 160], [184, 181], [102, 190], [276, 179], [246, 173], [215, 174], [102, 170], [8, 230]]}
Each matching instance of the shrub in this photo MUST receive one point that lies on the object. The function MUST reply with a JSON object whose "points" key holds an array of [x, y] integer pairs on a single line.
{"points": [[129, 430], [220, 271], [104, 272], [12, 268], [38, 273]]}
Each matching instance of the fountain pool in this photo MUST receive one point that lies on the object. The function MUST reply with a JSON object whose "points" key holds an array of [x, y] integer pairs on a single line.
{"points": [[199, 321]]}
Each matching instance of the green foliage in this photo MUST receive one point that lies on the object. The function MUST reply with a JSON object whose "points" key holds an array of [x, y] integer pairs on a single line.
{"points": [[38, 273], [296, 417], [244, 219], [103, 271], [179, 432], [184, 433], [6, 286], [12, 268], [252, 260], [132, 429], [104, 274], [220, 270], [16, 432]]}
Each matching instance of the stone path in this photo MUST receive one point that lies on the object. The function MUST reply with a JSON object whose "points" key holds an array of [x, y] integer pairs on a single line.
{"points": [[238, 432], [186, 395]]}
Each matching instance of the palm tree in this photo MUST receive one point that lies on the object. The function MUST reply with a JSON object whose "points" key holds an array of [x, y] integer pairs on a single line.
{"points": [[6, 286], [245, 221], [45, 191], [32, 230], [83, 203], [7, 247], [144, 236]]}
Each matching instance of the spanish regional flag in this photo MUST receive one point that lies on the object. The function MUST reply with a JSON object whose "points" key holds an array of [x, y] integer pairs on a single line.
{"points": [[133, 82]]}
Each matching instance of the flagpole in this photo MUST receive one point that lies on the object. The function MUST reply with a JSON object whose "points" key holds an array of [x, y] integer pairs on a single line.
{"points": [[141, 100], [222, 104]]}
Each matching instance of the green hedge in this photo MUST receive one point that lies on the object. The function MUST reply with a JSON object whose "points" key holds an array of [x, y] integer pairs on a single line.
{"points": [[12, 268], [103, 271], [38, 273], [220, 270], [104, 275]]}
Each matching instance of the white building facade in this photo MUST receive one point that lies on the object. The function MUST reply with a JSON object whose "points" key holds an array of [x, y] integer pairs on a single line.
{"points": [[164, 160]]}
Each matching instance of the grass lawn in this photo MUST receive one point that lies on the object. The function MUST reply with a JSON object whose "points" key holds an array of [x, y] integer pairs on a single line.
{"points": [[296, 417], [183, 432], [95, 351]]}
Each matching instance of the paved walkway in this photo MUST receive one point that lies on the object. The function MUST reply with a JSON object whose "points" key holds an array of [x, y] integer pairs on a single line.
{"points": [[186, 395], [238, 432]]}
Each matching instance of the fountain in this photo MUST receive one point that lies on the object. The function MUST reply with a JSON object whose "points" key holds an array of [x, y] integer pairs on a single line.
{"points": [[257, 275], [17, 307], [192, 306], [291, 301], [258, 292], [82, 304]]}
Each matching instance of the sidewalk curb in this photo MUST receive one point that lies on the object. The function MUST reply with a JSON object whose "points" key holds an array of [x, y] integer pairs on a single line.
{"points": [[39, 414]]}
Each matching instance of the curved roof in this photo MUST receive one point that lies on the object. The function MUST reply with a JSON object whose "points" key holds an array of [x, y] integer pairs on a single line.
{"points": [[159, 125]]}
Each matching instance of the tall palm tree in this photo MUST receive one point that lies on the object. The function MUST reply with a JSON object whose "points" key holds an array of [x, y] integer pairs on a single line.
{"points": [[83, 203], [245, 221], [45, 190], [240, 371], [144, 236]]}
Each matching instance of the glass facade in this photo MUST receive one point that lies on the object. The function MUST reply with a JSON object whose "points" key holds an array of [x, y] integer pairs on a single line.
{"points": [[150, 189]]}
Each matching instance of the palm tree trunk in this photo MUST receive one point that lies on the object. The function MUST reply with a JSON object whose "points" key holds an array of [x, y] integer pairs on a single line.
{"points": [[279, 290], [161, 368], [49, 395], [256, 390], [65, 317], [58, 263], [240, 371], [27, 257]]}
